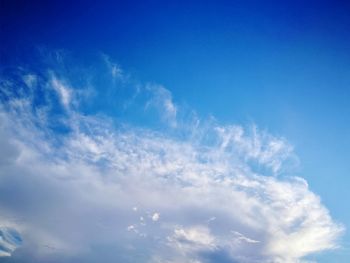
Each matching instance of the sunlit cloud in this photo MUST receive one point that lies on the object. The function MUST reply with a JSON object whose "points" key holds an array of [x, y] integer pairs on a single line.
{"points": [[81, 182]]}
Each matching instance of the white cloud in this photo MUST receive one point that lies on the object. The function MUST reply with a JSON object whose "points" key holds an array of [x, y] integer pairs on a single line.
{"points": [[259, 146], [195, 238], [131, 227], [240, 237], [68, 185], [155, 217], [114, 69], [63, 91], [10, 239], [162, 100]]}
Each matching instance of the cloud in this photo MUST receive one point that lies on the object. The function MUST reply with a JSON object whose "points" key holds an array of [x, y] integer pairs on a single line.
{"points": [[241, 238], [93, 190], [63, 91], [195, 238], [155, 217], [259, 146], [10, 239], [113, 68], [162, 100], [30, 80]]}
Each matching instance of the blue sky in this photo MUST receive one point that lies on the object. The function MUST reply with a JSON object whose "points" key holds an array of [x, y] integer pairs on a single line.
{"points": [[188, 77]]}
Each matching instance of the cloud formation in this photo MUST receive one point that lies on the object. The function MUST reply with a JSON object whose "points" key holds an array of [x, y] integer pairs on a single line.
{"points": [[82, 187], [162, 100], [9, 241]]}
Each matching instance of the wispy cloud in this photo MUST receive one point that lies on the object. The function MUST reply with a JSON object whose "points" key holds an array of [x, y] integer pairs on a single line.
{"points": [[114, 68], [162, 100], [9, 241], [63, 91], [148, 194]]}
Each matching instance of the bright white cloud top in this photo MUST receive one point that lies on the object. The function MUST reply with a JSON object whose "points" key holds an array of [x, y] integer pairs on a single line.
{"points": [[125, 193]]}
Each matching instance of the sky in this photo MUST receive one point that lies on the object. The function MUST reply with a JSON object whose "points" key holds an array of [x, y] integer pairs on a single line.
{"points": [[174, 131]]}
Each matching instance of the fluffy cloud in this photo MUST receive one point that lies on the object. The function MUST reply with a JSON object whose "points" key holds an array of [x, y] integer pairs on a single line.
{"points": [[79, 187], [155, 217], [192, 239]]}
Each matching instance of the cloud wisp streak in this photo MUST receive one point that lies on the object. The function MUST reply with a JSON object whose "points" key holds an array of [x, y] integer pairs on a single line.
{"points": [[79, 186]]}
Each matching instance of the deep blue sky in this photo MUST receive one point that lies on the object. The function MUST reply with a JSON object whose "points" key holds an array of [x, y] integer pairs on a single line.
{"points": [[284, 65]]}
